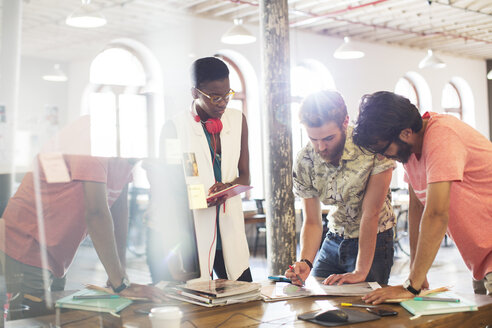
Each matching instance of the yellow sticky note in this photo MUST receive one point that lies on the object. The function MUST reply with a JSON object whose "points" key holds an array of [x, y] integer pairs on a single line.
{"points": [[196, 196]]}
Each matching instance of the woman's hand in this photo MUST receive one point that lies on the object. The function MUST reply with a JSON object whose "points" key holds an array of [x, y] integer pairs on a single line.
{"points": [[219, 186]]}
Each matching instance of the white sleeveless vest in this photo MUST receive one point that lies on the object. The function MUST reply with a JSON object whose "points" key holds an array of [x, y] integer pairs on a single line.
{"points": [[232, 230]]}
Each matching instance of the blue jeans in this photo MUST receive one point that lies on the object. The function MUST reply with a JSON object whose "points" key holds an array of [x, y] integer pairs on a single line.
{"points": [[338, 255]]}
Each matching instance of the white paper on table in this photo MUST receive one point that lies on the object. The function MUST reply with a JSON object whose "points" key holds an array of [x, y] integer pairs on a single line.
{"points": [[313, 287]]}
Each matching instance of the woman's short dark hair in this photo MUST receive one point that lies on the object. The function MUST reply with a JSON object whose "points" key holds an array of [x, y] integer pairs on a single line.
{"points": [[322, 107], [208, 69], [382, 116]]}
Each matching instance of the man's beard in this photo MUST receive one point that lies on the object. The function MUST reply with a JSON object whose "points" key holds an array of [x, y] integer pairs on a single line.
{"points": [[404, 151], [337, 152]]}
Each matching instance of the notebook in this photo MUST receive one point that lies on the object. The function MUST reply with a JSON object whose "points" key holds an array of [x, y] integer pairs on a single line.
{"points": [[220, 288], [209, 301], [113, 305], [418, 308], [229, 192]]}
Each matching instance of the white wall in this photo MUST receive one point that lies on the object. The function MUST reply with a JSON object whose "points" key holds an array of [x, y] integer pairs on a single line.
{"points": [[35, 94]]}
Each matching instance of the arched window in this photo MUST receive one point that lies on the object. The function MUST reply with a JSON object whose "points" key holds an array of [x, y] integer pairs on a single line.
{"points": [[238, 84], [245, 82], [406, 88], [307, 77], [451, 100], [413, 87], [458, 94], [123, 96], [118, 79], [239, 101]]}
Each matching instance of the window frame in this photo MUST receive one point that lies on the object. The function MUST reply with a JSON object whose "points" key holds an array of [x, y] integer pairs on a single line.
{"points": [[239, 95], [458, 110]]}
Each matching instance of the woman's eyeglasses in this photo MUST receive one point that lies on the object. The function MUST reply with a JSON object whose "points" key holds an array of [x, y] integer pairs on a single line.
{"points": [[217, 99]]}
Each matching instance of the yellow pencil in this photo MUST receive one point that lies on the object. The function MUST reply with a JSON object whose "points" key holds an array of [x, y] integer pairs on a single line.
{"points": [[359, 305]]}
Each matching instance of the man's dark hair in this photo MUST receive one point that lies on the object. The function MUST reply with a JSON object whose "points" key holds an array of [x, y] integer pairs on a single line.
{"points": [[208, 69], [382, 116], [322, 107]]}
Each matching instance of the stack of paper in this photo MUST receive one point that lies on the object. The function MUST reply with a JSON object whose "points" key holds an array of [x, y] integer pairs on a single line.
{"points": [[216, 292], [314, 287]]}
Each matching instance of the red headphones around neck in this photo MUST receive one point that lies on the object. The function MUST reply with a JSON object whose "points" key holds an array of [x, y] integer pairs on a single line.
{"points": [[213, 125]]}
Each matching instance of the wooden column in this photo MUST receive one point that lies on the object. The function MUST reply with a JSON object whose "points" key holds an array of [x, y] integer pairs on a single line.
{"points": [[281, 238]]}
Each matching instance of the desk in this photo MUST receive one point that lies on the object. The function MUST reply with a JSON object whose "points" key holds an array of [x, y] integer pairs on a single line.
{"points": [[276, 314]]}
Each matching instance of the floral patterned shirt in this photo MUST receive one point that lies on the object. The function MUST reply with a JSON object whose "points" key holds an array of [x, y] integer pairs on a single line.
{"points": [[343, 186]]}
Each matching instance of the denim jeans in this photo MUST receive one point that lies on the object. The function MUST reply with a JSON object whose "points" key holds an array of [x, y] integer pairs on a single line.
{"points": [[338, 255], [483, 286]]}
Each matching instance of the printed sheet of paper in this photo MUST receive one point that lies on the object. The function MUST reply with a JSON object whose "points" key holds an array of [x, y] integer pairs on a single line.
{"points": [[314, 287], [196, 196], [54, 167]]}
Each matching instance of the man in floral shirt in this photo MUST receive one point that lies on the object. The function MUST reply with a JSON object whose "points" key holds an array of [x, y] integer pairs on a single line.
{"points": [[332, 170]]}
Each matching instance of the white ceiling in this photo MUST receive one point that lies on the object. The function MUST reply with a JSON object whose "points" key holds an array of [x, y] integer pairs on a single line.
{"points": [[457, 27]]}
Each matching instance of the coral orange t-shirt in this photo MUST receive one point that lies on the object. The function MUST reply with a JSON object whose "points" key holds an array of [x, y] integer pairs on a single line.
{"points": [[63, 211], [454, 151]]}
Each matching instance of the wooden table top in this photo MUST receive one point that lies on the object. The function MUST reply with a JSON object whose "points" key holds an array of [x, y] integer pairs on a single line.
{"points": [[259, 313]]}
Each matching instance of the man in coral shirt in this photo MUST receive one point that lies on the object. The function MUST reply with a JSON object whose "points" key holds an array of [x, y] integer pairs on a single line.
{"points": [[448, 167], [93, 202]]}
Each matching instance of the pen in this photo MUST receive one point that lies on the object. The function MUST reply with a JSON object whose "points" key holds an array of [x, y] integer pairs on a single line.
{"points": [[297, 276], [438, 299], [95, 297], [279, 279], [359, 305]]}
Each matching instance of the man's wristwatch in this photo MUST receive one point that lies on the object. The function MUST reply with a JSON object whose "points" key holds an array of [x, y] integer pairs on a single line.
{"points": [[408, 286], [125, 283], [308, 263]]}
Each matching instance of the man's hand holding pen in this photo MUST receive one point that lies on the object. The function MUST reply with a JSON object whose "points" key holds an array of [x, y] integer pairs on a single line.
{"points": [[299, 270]]}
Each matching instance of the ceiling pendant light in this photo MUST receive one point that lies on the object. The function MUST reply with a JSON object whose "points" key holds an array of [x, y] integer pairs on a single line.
{"points": [[431, 61], [86, 16], [238, 34], [57, 75], [347, 50]]}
